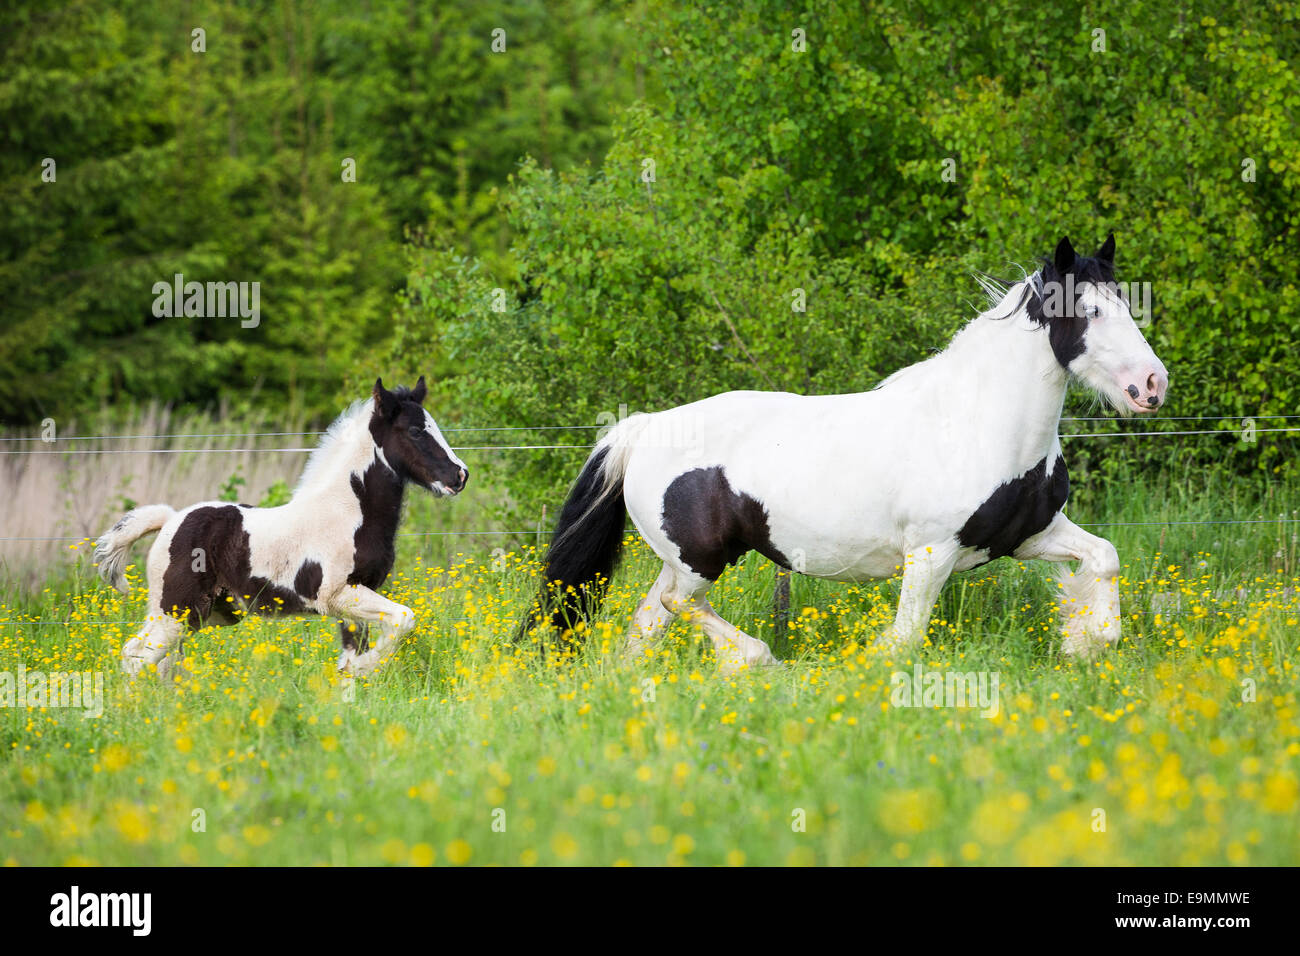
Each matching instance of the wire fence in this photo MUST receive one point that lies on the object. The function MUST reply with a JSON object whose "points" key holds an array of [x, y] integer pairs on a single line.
{"points": [[546, 428], [537, 532], [1236, 432]]}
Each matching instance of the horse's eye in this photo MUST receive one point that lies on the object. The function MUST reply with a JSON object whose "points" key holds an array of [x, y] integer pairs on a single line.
{"points": [[1092, 312], [415, 429]]}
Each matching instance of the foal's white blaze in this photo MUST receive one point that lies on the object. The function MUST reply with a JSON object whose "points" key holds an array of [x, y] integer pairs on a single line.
{"points": [[432, 428], [1117, 361]]}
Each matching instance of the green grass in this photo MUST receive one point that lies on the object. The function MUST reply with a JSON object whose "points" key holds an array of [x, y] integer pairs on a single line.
{"points": [[466, 748]]}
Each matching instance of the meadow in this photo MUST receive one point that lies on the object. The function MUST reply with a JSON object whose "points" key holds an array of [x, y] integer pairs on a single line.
{"points": [[1179, 746]]}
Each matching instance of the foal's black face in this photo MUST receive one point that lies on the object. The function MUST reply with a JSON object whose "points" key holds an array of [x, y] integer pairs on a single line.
{"points": [[411, 441]]}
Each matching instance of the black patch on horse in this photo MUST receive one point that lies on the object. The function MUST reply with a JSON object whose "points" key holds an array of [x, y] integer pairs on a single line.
{"points": [[308, 579], [1017, 510], [379, 491], [712, 525], [208, 587]]}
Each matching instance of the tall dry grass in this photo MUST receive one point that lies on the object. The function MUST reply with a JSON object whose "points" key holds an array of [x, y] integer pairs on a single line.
{"points": [[50, 501]]}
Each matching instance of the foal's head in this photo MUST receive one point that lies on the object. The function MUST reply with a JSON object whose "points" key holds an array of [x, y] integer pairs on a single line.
{"points": [[1092, 331], [411, 442]]}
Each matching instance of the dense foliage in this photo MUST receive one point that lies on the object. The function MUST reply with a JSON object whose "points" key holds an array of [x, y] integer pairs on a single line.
{"points": [[227, 164], [738, 195]]}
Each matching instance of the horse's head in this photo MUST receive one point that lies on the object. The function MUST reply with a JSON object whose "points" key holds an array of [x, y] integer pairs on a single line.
{"points": [[1092, 330], [410, 440]]}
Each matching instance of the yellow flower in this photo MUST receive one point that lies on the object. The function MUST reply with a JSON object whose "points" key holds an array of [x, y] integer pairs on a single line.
{"points": [[422, 854], [905, 812], [115, 757], [564, 846], [1281, 793]]}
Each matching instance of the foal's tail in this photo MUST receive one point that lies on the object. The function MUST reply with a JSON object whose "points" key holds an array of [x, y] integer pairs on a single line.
{"points": [[588, 537], [111, 548]]}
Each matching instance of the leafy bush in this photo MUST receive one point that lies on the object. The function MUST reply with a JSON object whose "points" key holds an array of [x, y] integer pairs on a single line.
{"points": [[823, 171]]}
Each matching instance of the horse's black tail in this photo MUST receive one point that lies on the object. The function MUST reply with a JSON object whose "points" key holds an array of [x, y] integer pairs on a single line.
{"points": [[585, 547]]}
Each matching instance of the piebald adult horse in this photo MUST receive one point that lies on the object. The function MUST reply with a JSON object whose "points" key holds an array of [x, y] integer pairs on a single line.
{"points": [[326, 552], [947, 464]]}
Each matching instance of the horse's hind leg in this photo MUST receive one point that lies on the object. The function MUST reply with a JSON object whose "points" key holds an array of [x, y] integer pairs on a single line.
{"points": [[158, 642], [651, 616], [734, 649], [924, 573]]}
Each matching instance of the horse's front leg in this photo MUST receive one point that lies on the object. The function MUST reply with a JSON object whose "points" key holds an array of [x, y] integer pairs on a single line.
{"points": [[358, 603], [1090, 598], [924, 572]]}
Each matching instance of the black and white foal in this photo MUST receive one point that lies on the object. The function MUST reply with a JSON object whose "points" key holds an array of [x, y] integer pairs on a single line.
{"points": [[327, 551], [947, 464]]}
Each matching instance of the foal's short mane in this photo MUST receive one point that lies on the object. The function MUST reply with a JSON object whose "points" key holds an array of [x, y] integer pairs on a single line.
{"points": [[321, 464], [343, 436]]}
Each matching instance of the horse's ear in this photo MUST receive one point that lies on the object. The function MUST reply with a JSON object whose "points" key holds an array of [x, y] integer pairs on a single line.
{"points": [[1064, 256], [1107, 251], [419, 391], [385, 401]]}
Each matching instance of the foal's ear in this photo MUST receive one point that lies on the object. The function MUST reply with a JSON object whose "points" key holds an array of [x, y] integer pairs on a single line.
{"points": [[1107, 251], [385, 401], [419, 391], [1064, 256]]}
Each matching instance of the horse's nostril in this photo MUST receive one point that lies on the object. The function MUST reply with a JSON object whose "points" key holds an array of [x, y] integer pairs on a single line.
{"points": [[464, 477]]}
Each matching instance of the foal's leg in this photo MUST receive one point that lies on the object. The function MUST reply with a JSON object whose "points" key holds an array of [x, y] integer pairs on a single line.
{"points": [[735, 649], [157, 642], [359, 603], [924, 573], [1090, 603], [651, 616]]}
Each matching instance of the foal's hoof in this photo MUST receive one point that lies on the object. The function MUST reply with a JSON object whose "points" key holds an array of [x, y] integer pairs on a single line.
{"points": [[132, 663], [352, 664]]}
